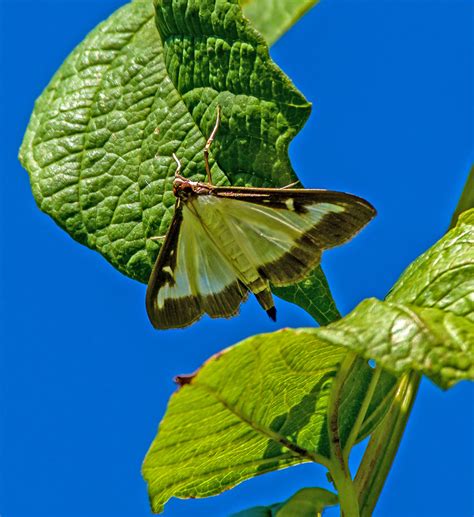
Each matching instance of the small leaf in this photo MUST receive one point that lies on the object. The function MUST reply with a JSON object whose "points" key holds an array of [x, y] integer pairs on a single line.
{"points": [[258, 511], [307, 502], [272, 18]]}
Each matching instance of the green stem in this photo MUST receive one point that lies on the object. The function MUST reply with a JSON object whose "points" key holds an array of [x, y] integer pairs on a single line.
{"points": [[346, 491], [362, 412], [338, 467], [383, 445]]}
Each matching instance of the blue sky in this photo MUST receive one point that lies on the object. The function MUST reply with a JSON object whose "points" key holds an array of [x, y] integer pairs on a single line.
{"points": [[84, 379]]}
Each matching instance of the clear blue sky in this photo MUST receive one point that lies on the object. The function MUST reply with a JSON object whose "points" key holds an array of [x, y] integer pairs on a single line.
{"points": [[84, 379]]}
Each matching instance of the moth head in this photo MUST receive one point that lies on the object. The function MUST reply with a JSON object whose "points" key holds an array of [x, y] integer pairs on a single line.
{"points": [[182, 187]]}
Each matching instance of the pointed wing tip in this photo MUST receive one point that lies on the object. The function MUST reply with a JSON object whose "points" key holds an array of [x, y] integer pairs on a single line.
{"points": [[272, 313]]}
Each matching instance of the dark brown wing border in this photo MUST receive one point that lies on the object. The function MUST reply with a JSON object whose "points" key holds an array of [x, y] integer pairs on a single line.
{"points": [[166, 257], [183, 311], [267, 195], [334, 229]]}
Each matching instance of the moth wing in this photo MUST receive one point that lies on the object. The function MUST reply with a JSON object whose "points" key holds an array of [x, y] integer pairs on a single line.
{"points": [[191, 277], [284, 232]]}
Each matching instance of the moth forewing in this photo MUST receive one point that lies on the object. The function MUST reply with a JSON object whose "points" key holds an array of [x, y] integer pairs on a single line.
{"points": [[191, 277], [162, 272], [283, 232]]}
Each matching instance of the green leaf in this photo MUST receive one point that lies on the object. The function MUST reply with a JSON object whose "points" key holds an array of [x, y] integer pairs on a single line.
{"points": [[99, 144], [355, 387], [258, 511], [90, 144], [427, 322], [443, 276], [402, 337], [234, 414], [273, 18], [214, 57], [100, 141], [313, 295], [307, 502]]}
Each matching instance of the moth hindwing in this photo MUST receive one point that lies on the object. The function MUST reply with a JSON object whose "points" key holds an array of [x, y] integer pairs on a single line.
{"points": [[225, 242]]}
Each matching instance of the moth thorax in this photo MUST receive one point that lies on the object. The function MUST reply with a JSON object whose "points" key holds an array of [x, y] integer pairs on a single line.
{"points": [[184, 188]]}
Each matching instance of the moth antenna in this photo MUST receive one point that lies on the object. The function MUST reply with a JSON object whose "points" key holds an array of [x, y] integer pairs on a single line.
{"points": [[291, 184], [209, 142], [178, 169]]}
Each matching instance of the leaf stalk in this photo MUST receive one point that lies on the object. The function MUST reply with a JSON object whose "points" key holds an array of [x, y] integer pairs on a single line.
{"points": [[383, 445], [351, 440], [339, 468]]}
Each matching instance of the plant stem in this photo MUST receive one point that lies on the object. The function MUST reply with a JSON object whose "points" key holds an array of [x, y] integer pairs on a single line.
{"points": [[338, 467], [383, 445], [346, 491], [362, 412]]}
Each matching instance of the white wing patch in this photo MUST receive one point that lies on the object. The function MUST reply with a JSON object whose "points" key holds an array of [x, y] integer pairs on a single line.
{"points": [[253, 236], [201, 269], [203, 281]]}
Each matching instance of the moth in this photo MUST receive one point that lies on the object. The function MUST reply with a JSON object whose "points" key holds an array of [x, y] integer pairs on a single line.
{"points": [[224, 242]]}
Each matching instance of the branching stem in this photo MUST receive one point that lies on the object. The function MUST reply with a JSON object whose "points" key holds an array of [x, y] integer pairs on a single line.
{"points": [[339, 468], [383, 445], [362, 412]]}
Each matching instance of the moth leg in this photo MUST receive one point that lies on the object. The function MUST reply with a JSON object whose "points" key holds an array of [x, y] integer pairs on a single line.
{"points": [[208, 145], [291, 184], [157, 238]]}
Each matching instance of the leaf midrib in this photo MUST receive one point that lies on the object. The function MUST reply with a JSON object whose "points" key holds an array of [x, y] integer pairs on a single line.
{"points": [[295, 449]]}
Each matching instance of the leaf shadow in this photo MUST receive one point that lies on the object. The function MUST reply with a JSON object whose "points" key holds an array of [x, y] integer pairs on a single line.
{"points": [[292, 424]]}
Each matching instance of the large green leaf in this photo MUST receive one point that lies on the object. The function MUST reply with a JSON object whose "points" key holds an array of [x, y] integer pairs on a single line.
{"points": [[91, 141], [233, 420], [426, 323], [274, 17], [99, 144], [100, 141], [307, 502]]}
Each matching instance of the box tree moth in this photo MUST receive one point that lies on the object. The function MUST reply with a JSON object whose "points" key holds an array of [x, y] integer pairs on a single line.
{"points": [[224, 242]]}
